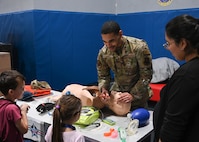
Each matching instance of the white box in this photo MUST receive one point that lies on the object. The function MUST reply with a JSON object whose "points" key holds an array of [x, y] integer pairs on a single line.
{"points": [[36, 131]]}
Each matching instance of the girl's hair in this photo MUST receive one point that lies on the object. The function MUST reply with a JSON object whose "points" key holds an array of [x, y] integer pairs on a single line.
{"points": [[184, 27], [8, 80], [66, 108]]}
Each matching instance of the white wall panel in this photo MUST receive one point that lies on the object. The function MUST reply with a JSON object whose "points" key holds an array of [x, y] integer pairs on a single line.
{"points": [[91, 6], [8, 6], [134, 6], [95, 6]]}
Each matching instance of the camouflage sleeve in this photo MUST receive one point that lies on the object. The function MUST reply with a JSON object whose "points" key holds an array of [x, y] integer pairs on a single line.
{"points": [[141, 90], [103, 71]]}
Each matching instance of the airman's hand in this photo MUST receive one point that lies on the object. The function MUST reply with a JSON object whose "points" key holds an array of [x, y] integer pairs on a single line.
{"points": [[125, 97]]}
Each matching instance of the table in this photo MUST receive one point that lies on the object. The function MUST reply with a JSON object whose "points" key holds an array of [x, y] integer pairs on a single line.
{"points": [[38, 124]]}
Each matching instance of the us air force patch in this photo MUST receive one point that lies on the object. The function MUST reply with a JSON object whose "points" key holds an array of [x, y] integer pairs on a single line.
{"points": [[164, 2]]}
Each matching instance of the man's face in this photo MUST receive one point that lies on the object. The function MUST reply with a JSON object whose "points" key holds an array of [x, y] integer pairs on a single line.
{"points": [[112, 41]]}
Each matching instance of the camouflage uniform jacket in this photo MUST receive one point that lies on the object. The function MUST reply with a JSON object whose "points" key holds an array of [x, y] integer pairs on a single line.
{"points": [[132, 70]]}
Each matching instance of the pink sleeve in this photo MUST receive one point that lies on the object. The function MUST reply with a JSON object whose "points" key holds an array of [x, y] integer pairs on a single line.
{"points": [[48, 135]]}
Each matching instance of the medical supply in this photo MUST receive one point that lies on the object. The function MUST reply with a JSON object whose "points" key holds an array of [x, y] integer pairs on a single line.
{"points": [[92, 126], [44, 107], [132, 127], [108, 121], [112, 133], [88, 115], [141, 114], [122, 134], [107, 134]]}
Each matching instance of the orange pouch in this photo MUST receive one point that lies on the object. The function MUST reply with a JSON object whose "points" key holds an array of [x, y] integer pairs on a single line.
{"points": [[37, 92]]}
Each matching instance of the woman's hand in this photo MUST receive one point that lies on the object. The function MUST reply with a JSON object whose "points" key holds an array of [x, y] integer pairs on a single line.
{"points": [[24, 107]]}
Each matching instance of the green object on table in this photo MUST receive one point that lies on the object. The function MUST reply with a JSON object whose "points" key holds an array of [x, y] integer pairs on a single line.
{"points": [[88, 115], [122, 134]]}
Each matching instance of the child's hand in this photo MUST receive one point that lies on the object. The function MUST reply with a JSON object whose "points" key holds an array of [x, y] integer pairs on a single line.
{"points": [[24, 107]]}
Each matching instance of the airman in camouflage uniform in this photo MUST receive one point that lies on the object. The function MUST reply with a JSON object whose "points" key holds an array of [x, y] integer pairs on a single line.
{"points": [[131, 62]]}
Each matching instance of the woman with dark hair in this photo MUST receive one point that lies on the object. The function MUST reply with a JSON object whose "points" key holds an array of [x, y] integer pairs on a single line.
{"points": [[67, 112], [176, 115]]}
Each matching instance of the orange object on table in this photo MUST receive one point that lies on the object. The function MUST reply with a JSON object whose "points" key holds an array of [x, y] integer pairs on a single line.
{"points": [[156, 88], [37, 92], [107, 134]]}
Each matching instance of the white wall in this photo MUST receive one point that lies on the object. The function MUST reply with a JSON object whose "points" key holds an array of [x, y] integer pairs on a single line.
{"points": [[91, 6], [7, 6], [95, 6], [132, 6]]}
